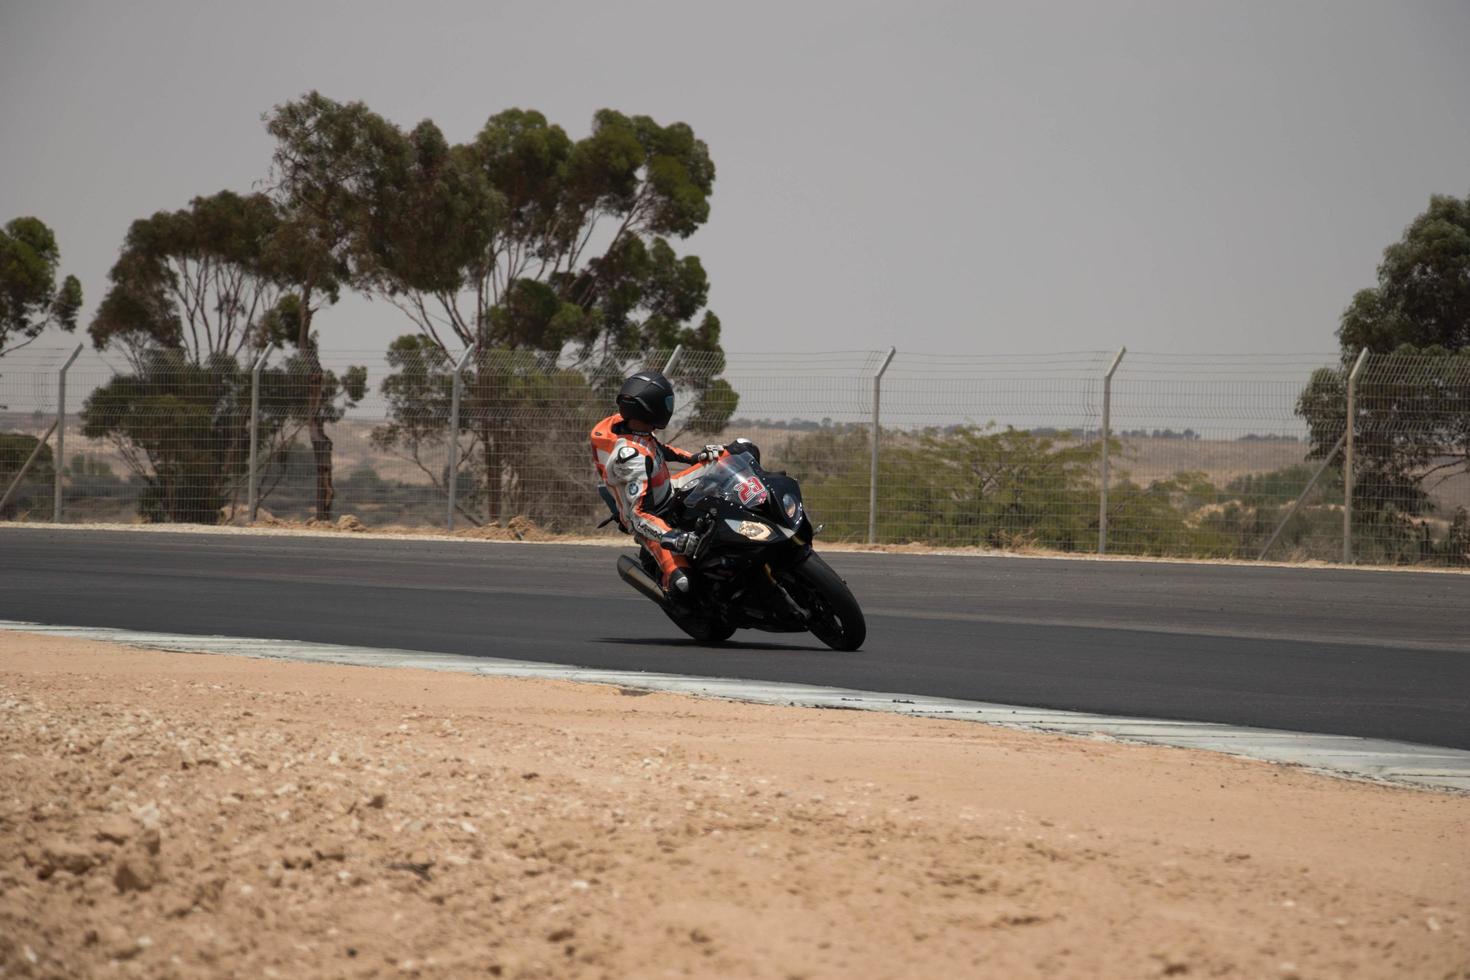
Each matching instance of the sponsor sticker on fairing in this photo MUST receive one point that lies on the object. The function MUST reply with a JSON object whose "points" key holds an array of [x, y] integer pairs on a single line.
{"points": [[752, 492]]}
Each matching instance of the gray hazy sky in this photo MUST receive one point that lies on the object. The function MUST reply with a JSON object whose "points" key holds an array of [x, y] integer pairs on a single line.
{"points": [[946, 177]]}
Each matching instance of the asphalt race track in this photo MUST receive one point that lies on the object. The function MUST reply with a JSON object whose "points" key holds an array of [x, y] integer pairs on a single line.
{"points": [[1349, 652]]}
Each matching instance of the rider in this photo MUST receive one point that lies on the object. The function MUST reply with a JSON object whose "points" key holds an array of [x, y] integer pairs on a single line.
{"points": [[633, 465]]}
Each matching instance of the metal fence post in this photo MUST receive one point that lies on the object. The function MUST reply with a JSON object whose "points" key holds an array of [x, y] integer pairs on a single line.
{"points": [[873, 469], [1347, 459], [453, 478], [61, 430], [673, 359], [1107, 432], [252, 498]]}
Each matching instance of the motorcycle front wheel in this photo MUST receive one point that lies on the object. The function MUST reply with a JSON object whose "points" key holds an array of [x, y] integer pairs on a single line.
{"points": [[837, 619]]}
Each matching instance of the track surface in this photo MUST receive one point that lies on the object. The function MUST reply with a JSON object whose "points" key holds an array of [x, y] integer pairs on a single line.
{"points": [[1377, 654]]}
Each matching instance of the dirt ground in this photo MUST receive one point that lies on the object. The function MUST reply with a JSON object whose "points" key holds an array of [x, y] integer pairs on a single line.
{"points": [[172, 815]]}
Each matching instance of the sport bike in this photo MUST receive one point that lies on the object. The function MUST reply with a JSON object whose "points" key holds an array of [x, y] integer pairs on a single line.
{"points": [[753, 566]]}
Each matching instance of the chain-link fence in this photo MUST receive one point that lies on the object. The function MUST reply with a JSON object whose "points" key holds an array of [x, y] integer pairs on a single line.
{"points": [[1411, 460], [1220, 456], [1214, 454]]}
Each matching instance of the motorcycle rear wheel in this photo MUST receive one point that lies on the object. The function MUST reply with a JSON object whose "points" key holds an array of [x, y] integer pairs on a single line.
{"points": [[700, 628], [837, 619]]}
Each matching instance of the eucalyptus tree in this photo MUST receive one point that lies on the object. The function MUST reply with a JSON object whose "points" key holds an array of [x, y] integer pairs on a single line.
{"points": [[197, 280], [1422, 297], [328, 157], [1412, 418], [526, 238], [192, 292], [30, 300], [524, 243]]}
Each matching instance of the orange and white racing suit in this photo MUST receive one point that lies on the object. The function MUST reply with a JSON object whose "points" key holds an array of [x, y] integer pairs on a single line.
{"points": [[634, 466]]}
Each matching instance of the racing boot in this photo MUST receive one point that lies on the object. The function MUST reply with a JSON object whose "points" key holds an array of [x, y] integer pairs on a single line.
{"points": [[679, 590]]}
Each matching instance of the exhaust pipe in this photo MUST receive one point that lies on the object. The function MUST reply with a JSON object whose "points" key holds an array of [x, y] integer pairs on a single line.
{"points": [[632, 573]]}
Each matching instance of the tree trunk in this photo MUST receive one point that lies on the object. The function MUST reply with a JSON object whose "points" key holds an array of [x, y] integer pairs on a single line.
{"points": [[321, 443], [484, 424]]}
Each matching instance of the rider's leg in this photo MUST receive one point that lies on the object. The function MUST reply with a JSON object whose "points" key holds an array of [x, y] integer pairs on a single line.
{"points": [[673, 569]]}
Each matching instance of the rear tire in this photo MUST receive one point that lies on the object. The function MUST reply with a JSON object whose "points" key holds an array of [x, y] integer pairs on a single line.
{"points": [[700, 628], [837, 619]]}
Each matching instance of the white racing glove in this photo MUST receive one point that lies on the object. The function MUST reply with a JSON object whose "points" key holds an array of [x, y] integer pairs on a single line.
{"points": [[709, 453]]}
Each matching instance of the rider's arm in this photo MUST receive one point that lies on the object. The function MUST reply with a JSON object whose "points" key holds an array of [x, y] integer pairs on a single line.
{"points": [[675, 455], [688, 459], [627, 476]]}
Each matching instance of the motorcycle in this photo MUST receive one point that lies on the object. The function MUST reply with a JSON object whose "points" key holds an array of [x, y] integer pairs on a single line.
{"points": [[754, 567]]}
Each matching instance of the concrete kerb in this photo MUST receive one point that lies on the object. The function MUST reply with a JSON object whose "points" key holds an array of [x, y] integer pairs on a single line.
{"points": [[1375, 760]]}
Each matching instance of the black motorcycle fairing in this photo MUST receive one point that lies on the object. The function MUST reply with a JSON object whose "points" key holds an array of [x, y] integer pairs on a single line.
{"points": [[748, 543], [738, 491]]}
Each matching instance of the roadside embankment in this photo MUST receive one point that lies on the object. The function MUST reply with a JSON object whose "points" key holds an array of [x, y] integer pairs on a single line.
{"points": [[174, 815]]}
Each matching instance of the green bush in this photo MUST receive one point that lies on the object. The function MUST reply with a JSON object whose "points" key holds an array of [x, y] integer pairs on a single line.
{"points": [[33, 497]]}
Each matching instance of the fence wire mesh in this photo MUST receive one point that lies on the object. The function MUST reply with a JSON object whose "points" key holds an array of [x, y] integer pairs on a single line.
{"points": [[1208, 456], [1411, 460], [1212, 455]]}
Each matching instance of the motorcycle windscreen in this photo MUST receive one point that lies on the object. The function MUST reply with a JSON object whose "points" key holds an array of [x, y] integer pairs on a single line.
{"points": [[732, 478]]}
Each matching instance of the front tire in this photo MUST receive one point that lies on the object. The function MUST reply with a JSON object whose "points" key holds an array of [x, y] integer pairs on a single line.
{"points": [[837, 619]]}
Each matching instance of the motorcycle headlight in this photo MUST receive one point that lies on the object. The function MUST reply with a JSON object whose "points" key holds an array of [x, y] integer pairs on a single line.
{"points": [[754, 530], [791, 505]]}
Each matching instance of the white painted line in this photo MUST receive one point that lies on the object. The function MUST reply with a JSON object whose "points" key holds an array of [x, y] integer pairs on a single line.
{"points": [[1341, 755]]}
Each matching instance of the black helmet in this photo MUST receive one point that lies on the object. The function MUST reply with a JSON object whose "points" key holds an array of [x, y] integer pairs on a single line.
{"points": [[647, 397], [744, 445]]}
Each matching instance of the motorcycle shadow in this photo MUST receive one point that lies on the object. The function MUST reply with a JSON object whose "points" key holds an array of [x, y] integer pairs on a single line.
{"points": [[684, 642]]}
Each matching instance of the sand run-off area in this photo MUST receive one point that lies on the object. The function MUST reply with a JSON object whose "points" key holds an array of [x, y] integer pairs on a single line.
{"points": [[174, 815]]}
